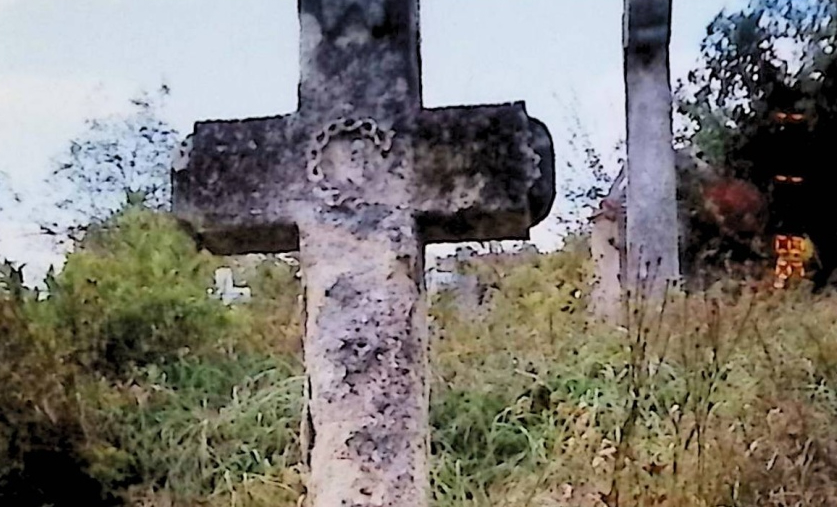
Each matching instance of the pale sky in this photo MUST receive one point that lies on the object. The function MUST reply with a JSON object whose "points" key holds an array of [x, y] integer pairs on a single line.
{"points": [[62, 61]]}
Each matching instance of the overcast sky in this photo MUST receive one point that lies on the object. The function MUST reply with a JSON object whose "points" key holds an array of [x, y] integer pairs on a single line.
{"points": [[62, 61]]}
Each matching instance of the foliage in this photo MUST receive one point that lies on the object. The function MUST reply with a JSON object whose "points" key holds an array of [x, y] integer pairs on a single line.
{"points": [[766, 61], [11, 281], [209, 425], [748, 58], [718, 401], [132, 295], [272, 317], [135, 292], [123, 159], [39, 427], [710, 403], [589, 171]]}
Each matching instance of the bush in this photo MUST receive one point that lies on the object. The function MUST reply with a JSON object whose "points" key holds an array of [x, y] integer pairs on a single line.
{"points": [[134, 293], [41, 434]]}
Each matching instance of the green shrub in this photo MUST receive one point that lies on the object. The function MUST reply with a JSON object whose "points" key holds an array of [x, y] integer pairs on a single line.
{"points": [[41, 434], [135, 292]]}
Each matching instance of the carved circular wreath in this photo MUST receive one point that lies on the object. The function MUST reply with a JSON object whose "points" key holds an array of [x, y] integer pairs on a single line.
{"points": [[367, 128]]}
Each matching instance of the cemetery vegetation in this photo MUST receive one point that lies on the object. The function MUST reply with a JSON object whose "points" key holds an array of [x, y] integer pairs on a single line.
{"points": [[759, 65], [130, 385], [126, 383], [118, 160]]}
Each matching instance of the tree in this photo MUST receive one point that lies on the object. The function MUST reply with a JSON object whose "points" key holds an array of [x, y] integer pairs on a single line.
{"points": [[763, 104], [135, 291], [748, 59], [8, 196], [123, 159], [589, 170]]}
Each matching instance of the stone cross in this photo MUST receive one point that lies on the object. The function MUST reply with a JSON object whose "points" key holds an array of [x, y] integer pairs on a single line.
{"points": [[225, 288], [359, 179], [652, 226]]}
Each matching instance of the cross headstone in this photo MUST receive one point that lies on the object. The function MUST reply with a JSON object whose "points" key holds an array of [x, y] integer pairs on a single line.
{"points": [[360, 179], [226, 290]]}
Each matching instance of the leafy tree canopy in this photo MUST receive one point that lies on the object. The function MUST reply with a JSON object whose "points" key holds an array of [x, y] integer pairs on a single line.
{"points": [[124, 159], [772, 55]]}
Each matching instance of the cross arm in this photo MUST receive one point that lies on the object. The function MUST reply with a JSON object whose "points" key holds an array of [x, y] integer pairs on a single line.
{"points": [[237, 184], [482, 173]]}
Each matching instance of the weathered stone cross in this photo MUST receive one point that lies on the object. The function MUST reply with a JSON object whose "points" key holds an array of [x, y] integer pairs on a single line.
{"points": [[359, 179]]}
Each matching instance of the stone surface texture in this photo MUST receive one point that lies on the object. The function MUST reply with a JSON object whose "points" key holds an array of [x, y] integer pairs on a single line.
{"points": [[607, 248], [652, 225], [608, 231], [359, 179]]}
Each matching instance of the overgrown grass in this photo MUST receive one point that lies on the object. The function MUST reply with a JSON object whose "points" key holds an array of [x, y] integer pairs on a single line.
{"points": [[720, 401]]}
